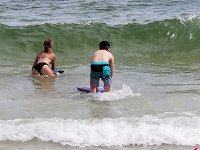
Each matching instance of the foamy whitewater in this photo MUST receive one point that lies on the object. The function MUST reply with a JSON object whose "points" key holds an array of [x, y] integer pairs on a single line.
{"points": [[155, 97], [147, 130]]}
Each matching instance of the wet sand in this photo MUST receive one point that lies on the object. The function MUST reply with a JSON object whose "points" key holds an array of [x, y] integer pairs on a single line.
{"points": [[37, 145]]}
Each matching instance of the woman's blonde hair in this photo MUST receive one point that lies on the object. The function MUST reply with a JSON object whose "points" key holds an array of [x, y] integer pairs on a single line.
{"points": [[48, 43]]}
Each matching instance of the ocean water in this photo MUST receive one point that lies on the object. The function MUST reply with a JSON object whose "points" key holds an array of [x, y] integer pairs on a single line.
{"points": [[155, 100]]}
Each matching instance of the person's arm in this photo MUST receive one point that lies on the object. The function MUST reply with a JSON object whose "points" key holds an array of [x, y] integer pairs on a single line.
{"points": [[35, 61], [53, 63], [112, 64], [53, 67], [91, 59]]}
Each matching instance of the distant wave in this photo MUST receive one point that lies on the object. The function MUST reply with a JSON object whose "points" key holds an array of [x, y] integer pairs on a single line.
{"points": [[149, 130]]}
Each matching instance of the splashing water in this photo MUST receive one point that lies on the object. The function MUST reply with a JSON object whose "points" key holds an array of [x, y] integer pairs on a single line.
{"points": [[125, 92]]}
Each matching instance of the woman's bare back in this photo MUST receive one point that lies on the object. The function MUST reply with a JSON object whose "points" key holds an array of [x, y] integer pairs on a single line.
{"points": [[45, 57]]}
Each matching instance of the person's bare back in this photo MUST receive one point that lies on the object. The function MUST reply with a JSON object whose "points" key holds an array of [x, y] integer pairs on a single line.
{"points": [[101, 56], [104, 56], [45, 57]]}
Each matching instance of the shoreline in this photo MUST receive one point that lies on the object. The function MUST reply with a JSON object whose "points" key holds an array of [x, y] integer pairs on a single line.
{"points": [[36, 144]]}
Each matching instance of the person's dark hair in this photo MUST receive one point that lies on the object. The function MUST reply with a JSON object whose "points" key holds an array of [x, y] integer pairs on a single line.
{"points": [[104, 45], [48, 43]]}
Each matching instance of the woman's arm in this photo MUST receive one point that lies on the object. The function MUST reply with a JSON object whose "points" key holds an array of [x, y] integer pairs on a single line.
{"points": [[35, 61], [53, 63]]}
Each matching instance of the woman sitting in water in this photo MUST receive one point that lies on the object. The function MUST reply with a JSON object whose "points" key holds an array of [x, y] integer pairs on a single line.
{"points": [[44, 59]]}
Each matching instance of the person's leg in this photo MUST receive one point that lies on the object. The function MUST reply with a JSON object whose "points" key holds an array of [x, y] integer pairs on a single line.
{"points": [[35, 72], [107, 85], [93, 89], [47, 71], [107, 89], [94, 82]]}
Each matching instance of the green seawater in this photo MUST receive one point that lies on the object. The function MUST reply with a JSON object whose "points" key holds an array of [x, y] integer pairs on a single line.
{"points": [[156, 42]]}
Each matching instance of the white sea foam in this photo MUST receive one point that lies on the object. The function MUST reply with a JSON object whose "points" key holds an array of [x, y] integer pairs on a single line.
{"points": [[149, 130], [125, 92]]}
